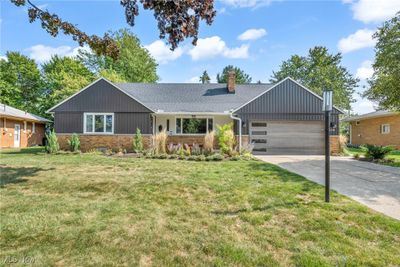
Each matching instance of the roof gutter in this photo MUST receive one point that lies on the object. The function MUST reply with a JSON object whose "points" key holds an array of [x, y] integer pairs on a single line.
{"points": [[239, 120]]}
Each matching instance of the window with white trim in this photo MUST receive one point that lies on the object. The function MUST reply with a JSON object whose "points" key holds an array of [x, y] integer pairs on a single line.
{"points": [[102, 123], [385, 128], [194, 125], [33, 127]]}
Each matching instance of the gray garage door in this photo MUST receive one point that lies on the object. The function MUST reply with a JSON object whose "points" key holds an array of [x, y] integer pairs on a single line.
{"points": [[287, 137]]}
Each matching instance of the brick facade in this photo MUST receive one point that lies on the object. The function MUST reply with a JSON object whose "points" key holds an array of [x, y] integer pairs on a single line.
{"points": [[368, 131], [335, 146], [116, 142], [27, 136]]}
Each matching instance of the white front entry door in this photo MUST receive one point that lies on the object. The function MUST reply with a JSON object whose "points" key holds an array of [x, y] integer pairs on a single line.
{"points": [[17, 135]]}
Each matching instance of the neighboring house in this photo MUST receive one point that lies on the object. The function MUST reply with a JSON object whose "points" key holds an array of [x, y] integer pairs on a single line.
{"points": [[19, 128], [281, 118], [375, 128]]}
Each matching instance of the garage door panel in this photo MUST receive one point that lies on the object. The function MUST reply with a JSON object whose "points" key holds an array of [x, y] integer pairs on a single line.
{"points": [[288, 137]]}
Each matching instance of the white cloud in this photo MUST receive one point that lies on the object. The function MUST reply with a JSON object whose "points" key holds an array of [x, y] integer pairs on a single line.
{"points": [[42, 53], [358, 40], [195, 79], [362, 106], [365, 71], [214, 46], [3, 57], [162, 53], [252, 34], [247, 3], [373, 10]]}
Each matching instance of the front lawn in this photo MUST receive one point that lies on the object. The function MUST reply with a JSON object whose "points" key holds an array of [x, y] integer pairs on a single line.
{"points": [[79, 210], [394, 155]]}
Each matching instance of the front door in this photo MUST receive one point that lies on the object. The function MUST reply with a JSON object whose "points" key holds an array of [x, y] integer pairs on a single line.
{"points": [[17, 135]]}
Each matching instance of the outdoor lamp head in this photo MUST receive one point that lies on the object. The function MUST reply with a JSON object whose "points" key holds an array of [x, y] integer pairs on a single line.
{"points": [[327, 103]]}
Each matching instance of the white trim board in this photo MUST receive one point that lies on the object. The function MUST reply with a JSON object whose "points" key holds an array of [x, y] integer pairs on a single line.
{"points": [[275, 85], [83, 89]]}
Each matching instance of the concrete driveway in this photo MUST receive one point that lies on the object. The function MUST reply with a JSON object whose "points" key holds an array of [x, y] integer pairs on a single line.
{"points": [[373, 185]]}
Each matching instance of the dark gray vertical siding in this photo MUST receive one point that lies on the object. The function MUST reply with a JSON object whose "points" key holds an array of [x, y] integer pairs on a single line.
{"points": [[68, 122], [101, 97], [126, 123], [287, 101]]}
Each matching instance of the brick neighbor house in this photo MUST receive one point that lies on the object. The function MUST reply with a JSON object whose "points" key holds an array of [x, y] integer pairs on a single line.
{"points": [[280, 118], [19, 128], [376, 128]]}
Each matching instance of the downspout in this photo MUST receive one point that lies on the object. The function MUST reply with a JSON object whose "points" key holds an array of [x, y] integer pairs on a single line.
{"points": [[239, 120], [153, 127]]}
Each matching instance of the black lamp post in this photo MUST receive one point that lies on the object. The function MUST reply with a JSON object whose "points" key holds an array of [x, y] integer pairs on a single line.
{"points": [[327, 107]]}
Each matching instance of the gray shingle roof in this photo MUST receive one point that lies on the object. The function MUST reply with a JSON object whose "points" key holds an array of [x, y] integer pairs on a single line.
{"points": [[6, 110], [374, 114], [191, 97]]}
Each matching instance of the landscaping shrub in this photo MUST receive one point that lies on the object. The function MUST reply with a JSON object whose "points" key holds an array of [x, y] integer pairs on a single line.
{"points": [[201, 158], [215, 157], [187, 150], [209, 143], [376, 152], [138, 142], [226, 138], [356, 156], [196, 150], [74, 143], [192, 158], [247, 149], [159, 142], [52, 146], [173, 156]]}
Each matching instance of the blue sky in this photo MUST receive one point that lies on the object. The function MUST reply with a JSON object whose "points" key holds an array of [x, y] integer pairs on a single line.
{"points": [[256, 35]]}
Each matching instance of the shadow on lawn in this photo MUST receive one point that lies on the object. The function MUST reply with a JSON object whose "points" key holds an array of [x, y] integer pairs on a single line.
{"points": [[10, 175], [29, 150], [264, 208], [282, 174]]}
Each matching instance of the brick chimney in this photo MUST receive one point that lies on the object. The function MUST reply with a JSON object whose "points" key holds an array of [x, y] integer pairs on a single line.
{"points": [[231, 82]]}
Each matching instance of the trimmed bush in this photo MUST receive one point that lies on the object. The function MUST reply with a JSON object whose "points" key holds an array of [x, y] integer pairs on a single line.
{"points": [[52, 146], [74, 143], [376, 152], [138, 142]]}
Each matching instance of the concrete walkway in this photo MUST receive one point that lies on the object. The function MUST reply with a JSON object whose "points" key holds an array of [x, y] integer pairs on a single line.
{"points": [[376, 186]]}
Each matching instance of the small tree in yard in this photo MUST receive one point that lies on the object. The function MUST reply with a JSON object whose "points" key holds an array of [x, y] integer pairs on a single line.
{"points": [[52, 146], [74, 143], [226, 138], [138, 141], [376, 152]]}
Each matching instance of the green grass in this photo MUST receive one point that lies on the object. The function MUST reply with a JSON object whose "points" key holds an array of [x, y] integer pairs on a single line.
{"points": [[394, 155], [79, 210]]}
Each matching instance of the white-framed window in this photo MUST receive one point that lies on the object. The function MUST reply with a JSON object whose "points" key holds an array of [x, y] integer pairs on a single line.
{"points": [[33, 127], [194, 125], [385, 128], [98, 123]]}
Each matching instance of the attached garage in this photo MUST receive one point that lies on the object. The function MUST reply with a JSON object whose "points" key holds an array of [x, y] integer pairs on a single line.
{"points": [[287, 119], [287, 137]]}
